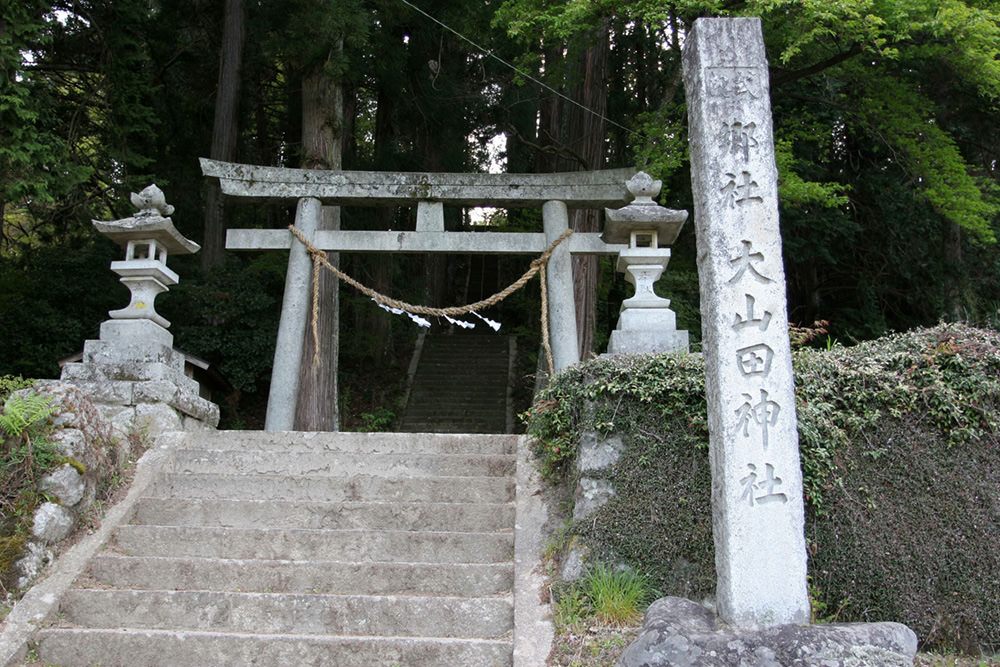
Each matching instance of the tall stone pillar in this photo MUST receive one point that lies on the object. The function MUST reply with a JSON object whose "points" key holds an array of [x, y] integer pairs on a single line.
{"points": [[559, 282], [757, 501], [284, 392]]}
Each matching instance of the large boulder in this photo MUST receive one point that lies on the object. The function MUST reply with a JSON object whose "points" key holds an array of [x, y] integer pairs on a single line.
{"points": [[681, 633]]}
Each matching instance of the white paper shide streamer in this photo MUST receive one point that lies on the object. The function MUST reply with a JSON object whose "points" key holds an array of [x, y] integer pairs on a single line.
{"points": [[425, 323]]}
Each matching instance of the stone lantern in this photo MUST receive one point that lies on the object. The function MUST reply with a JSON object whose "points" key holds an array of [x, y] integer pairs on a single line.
{"points": [[147, 237], [133, 373], [645, 324]]}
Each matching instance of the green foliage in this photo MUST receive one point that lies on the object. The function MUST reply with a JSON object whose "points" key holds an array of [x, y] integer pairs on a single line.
{"points": [[381, 419], [900, 448], [53, 298], [230, 318], [529, 18], [665, 143], [306, 33], [26, 455], [614, 395], [819, 610], [571, 605], [35, 160], [614, 597], [793, 190], [24, 415], [895, 111], [884, 117], [10, 384], [618, 596]]}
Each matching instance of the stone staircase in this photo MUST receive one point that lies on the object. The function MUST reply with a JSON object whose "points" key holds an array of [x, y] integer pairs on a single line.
{"points": [[460, 384], [304, 549]]}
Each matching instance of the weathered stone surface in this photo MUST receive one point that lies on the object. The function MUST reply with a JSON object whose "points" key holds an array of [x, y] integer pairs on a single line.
{"points": [[648, 341], [757, 502], [283, 392], [131, 341], [116, 392], [157, 418], [36, 557], [370, 188], [642, 268], [122, 417], [53, 522], [70, 442], [80, 431], [682, 633], [149, 224], [148, 237], [65, 483], [190, 404], [590, 496], [430, 216], [130, 332], [138, 371], [192, 424], [153, 391], [574, 562], [597, 453], [559, 282], [353, 240]]}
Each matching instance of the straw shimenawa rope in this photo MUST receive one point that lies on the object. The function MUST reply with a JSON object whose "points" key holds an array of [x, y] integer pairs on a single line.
{"points": [[319, 258]]}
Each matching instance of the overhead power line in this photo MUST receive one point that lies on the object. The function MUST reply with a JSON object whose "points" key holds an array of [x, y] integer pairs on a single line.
{"points": [[526, 75]]}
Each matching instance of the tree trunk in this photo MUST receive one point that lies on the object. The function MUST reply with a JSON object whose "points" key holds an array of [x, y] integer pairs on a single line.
{"points": [[585, 136], [322, 120], [572, 138], [953, 254], [225, 129]]}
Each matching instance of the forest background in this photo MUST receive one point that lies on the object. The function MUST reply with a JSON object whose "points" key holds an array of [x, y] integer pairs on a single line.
{"points": [[886, 115]]}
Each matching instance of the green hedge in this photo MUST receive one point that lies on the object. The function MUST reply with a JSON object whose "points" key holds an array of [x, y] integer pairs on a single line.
{"points": [[900, 443]]}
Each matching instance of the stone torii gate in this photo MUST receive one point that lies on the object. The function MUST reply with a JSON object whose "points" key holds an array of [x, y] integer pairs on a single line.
{"points": [[312, 189]]}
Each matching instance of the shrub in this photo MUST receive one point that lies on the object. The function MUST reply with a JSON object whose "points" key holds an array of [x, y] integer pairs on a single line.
{"points": [[900, 446]]}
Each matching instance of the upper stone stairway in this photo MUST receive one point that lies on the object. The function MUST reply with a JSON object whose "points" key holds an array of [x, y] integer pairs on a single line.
{"points": [[460, 384], [305, 549]]}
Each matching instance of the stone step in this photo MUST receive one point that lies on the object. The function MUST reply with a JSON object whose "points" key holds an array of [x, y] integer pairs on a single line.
{"points": [[360, 488], [444, 386], [336, 464], [453, 419], [385, 443], [460, 385], [460, 517], [306, 549], [461, 339], [493, 398], [148, 648], [282, 613], [343, 545], [492, 355], [466, 364], [436, 408], [464, 367], [283, 576], [446, 427], [456, 417]]}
